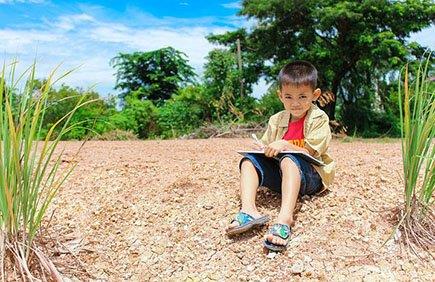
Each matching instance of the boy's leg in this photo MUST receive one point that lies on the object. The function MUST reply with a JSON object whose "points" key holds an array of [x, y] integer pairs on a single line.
{"points": [[291, 181], [248, 189]]}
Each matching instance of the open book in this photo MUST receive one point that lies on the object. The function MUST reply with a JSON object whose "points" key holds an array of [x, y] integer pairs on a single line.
{"points": [[303, 155]]}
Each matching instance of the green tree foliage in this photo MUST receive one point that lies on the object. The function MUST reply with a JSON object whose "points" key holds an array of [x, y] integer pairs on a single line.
{"points": [[223, 87], [184, 112], [137, 116], [91, 119], [354, 44], [269, 104], [154, 75]]}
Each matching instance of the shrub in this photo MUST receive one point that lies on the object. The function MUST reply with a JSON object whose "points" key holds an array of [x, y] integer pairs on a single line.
{"points": [[268, 105], [138, 116], [183, 112]]}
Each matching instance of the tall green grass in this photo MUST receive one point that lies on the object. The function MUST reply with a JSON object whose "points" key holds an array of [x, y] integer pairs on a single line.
{"points": [[417, 115], [30, 168]]}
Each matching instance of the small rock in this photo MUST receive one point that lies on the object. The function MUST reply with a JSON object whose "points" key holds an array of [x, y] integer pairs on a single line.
{"points": [[297, 267], [208, 207], [250, 268], [213, 276], [158, 249], [397, 235], [305, 197], [243, 278], [271, 255], [329, 267]]}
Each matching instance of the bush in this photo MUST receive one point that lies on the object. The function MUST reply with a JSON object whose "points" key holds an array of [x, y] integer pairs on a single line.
{"points": [[90, 118], [362, 119], [183, 113], [139, 117], [268, 105]]}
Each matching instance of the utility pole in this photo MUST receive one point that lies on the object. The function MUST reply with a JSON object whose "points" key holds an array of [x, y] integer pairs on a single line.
{"points": [[239, 60]]}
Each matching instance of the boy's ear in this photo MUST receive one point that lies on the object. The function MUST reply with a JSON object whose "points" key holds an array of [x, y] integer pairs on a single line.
{"points": [[317, 94]]}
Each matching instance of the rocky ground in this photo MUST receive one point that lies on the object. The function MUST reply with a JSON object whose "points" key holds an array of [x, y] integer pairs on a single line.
{"points": [[157, 210]]}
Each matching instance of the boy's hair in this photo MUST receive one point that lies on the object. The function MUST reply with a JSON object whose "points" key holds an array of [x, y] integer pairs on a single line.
{"points": [[298, 73]]}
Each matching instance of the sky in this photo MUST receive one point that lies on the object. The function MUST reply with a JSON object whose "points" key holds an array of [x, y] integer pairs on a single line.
{"points": [[87, 34]]}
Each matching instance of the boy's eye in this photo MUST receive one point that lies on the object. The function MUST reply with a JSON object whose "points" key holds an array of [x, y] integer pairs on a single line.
{"points": [[303, 97]]}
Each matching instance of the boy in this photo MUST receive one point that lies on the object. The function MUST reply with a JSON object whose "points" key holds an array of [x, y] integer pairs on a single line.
{"points": [[301, 126]]}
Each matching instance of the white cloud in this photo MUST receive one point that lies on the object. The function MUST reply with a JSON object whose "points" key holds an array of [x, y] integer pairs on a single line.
{"points": [[232, 5], [191, 41], [69, 22], [82, 40], [25, 41]]}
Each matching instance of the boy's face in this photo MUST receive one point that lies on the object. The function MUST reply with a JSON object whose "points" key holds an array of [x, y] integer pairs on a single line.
{"points": [[298, 99]]}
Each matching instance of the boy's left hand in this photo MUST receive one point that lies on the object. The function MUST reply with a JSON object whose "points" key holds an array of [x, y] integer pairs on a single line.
{"points": [[274, 148]]}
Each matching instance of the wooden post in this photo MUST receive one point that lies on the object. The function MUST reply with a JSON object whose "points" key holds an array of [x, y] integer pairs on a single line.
{"points": [[239, 60]]}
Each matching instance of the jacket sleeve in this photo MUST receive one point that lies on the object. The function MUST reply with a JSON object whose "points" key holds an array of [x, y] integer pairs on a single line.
{"points": [[319, 136], [270, 131]]}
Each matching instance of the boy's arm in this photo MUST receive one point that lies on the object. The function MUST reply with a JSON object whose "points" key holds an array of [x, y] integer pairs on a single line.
{"points": [[318, 138], [293, 147], [267, 137]]}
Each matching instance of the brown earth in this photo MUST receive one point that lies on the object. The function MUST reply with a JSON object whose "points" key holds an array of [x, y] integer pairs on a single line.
{"points": [[157, 210]]}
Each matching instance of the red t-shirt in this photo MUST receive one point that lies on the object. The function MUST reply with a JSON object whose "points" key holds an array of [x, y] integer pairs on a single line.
{"points": [[295, 132]]}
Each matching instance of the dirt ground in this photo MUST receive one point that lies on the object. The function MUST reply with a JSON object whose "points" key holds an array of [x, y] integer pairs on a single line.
{"points": [[157, 210]]}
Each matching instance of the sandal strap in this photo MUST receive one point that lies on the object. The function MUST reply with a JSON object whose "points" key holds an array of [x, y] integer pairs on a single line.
{"points": [[281, 230], [242, 218]]}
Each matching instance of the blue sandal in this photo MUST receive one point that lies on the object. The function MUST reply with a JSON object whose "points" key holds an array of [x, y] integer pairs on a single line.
{"points": [[282, 231], [246, 222]]}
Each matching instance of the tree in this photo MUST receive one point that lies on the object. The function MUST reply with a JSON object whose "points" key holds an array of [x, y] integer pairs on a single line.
{"points": [[154, 75], [222, 78], [354, 44]]}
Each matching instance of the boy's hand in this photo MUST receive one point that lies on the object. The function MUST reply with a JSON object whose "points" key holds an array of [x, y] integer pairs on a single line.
{"points": [[274, 148], [257, 146]]}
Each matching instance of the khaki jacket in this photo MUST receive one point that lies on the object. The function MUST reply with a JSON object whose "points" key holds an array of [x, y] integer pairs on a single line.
{"points": [[317, 136]]}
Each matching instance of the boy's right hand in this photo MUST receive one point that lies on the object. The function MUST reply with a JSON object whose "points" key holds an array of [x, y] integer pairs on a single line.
{"points": [[274, 148]]}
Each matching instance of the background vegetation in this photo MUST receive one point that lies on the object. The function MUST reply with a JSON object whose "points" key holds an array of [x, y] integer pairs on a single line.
{"points": [[357, 46]]}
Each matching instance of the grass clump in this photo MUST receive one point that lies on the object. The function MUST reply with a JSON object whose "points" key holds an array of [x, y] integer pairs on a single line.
{"points": [[30, 171], [417, 115]]}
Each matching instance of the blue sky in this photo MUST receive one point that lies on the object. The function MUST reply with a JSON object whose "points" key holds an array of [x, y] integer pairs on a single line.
{"points": [[89, 33]]}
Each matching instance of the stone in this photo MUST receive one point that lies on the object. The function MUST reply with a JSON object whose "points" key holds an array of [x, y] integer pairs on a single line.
{"points": [[297, 267], [250, 268]]}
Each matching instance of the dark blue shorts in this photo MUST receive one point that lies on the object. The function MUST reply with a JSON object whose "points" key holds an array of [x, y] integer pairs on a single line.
{"points": [[270, 175]]}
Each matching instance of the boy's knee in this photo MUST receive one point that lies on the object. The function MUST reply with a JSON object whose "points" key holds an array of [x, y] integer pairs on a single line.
{"points": [[288, 164], [247, 164]]}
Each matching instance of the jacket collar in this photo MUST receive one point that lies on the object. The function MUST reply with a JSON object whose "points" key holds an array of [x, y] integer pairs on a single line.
{"points": [[313, 112]]}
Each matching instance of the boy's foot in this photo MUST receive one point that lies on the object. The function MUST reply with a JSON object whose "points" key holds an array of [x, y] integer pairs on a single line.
{"points": [[277, 237], [244, 222]]}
